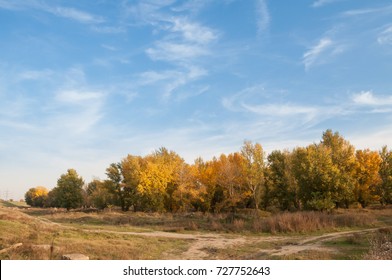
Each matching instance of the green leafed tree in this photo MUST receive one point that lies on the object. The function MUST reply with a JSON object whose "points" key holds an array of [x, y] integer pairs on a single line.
{"points": [[384, 188], [316, 176], [284, 187], [123, 190], [69, 191], [100, 194]]}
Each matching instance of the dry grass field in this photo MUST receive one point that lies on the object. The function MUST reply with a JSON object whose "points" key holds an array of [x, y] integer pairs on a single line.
{"points": [[32, 233]]}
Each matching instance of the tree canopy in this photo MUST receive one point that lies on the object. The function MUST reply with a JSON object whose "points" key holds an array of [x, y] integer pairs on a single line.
{"points": [[320, 176], [69, 191]]}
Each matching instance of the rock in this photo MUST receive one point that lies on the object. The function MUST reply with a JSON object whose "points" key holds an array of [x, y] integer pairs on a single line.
{"points": [[75, 257], [42, 247]]}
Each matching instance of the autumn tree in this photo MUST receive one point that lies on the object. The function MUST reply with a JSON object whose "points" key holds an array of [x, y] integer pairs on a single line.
{"points": [[230, 181], [199, 186], [320, 176], [159, 179], [36, 197], [185, 194], [342, 155], [253, 172], [178, 189], [384, 188], [208, 194], [367, 176], [69, 191]]}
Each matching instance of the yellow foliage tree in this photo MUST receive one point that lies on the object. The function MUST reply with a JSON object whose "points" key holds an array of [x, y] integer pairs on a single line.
{"points": [[367, 175]]}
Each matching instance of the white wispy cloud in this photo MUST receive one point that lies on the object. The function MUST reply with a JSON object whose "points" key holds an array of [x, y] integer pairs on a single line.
{"points": [[280, 109], [77, 110], [181, 40], [184, 41], [170, 81], [78, 97], [109, 47], [385, 37], [74, 14], [254, 94], [194, 92], [147, 12], [368, 98], [311, 56], [60, 11], [368, 11], [180, 37], [325, 49], [258, 109], [320, 3], [193, 31], [109, 29], [190, 6], [65, 107], [263, 16], [17, 126], [284, 113], [257, 100], [172, 51], [9, 5], [15, 108], [35, 74], [360, 12]]}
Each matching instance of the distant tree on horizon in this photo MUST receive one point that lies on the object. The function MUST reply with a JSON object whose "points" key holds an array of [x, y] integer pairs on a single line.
{"points": [[37, 196]]}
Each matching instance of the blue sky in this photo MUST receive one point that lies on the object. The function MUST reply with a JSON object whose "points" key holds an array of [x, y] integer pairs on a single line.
{"points": [[84, 83]]}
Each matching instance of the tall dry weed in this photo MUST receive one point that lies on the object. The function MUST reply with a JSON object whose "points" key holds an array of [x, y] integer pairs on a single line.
{"points": [[303, 222]]}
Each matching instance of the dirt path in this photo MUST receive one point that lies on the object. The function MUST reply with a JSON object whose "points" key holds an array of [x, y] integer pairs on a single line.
{"points": [[200, 242], [312, 243]]}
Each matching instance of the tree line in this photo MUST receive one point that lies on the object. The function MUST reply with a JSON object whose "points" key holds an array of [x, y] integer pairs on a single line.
{"points": [[321, 176]]}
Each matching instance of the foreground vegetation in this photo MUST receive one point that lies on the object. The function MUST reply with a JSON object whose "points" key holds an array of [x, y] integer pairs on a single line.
{"points": [[50, 233]]}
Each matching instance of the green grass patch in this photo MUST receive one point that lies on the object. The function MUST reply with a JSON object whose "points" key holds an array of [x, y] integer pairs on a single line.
{"points": [[352, 247]]}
